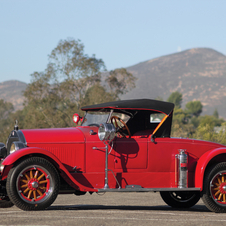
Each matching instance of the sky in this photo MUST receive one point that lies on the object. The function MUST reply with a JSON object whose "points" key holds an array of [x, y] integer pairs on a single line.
{"points": [[120, 32]]}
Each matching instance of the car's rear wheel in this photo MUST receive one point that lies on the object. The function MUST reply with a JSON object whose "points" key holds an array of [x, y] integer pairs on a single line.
{"points": [[180, 199], [33, 184], [214, 188]]}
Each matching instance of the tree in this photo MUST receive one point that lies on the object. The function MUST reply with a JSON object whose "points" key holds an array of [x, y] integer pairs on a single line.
{"points": [[181, 126], [210, 120], [97, 94], [215, 113], [179, 115], [70, 72], [55, 94], [72, 79], [6, 110], [175, 98], [207, 132], [120, 81], [194, 108]]}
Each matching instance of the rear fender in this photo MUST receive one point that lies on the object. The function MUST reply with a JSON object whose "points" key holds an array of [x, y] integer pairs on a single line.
{"points": [[202, 165], [11, 160]]}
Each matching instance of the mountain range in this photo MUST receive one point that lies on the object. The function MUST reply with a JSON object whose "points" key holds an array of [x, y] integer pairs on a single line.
{"points": [[198, 73], [12, 91]]}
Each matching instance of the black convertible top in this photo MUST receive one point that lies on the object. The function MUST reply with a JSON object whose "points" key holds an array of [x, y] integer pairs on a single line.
{"points": [[134, 104]]}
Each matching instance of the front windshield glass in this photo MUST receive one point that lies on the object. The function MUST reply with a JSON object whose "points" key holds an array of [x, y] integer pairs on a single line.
{"points": [[95, 118]]}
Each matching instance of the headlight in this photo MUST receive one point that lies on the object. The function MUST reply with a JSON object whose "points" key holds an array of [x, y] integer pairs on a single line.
{"points": [[16, 141], [106, 132], [1, 166], [16, 145], [12, 148]]}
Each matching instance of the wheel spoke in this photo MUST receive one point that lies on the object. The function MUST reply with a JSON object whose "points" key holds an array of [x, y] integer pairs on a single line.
{"points": [[26, 190], [43, 182], [36, 174], [222, 179], [27, 176], [24, 186], [25, 181], [31, 174], [217, 193], [224, 199], [39, 192], [34, 194], [29, 194], [39, 178], [219, 180], [219, 198], [43, 188]]}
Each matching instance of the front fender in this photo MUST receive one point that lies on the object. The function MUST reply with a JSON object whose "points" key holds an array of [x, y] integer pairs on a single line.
{"points": [[10, 160], [202, 164]]}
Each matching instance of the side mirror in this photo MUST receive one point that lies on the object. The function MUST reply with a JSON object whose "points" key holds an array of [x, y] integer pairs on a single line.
{"points": [[77, 118], [106, 132]]}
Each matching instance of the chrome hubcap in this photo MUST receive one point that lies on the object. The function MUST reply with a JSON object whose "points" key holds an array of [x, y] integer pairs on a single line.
{"points": [[34, 184]]}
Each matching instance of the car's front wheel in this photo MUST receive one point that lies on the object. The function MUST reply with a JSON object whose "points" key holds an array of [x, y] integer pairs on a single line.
{"points": [[33, 184], [180, 199], [214, 188]]}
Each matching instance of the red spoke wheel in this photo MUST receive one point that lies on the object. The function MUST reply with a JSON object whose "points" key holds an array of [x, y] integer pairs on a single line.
{"points": [[214, 189], [33, 184], [218, 187]]}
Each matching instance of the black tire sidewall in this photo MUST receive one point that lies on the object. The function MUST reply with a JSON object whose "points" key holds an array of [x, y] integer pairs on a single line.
{"points": [[173, 202], [12, 180], [5, 203]]}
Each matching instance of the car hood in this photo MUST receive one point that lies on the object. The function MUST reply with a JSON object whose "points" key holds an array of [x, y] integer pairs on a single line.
{"points": [[62, 135]]}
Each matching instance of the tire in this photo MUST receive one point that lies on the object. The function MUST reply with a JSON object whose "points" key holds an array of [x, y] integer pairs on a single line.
{"points": [[33, 184], [5, 202], [180, 199], [214, 188]]}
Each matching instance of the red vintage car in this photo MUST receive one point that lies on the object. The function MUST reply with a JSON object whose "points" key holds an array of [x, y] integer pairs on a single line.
{"points": [[121, 146]]}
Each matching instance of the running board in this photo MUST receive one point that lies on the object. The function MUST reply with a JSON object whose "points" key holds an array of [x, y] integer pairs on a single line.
{"points": [[145, 189]]}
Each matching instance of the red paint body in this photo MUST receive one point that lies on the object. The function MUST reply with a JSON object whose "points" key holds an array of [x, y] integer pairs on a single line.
{"points": [[136, 160]]}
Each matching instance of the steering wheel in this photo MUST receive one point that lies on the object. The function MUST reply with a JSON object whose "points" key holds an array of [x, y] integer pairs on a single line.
{"points": [[119, 129]]}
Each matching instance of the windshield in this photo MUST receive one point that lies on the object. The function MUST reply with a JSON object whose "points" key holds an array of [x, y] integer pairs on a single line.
{"points": [[96, 118]]}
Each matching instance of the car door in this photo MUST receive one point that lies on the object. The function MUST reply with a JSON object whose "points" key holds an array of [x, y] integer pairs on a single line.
{"points": [[131, 153]]}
